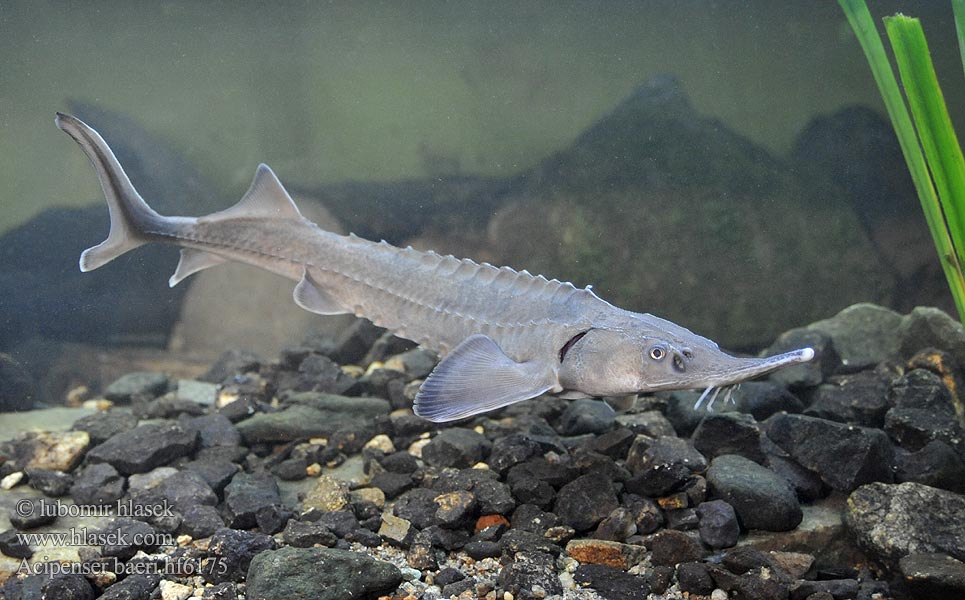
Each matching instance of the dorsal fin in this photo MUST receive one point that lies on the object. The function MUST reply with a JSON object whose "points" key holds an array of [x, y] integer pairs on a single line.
{"points": [[266, 198]]}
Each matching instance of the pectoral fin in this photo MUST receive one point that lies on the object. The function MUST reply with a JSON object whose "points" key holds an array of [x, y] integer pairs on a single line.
{"points": [[476, 377]]}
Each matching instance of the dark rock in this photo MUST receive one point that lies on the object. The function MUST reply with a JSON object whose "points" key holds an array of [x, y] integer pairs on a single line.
{"points": [[321, 374], [585, 501], [531, 577], [124, 536], [447, 576], [923, 411], [614, 443], [456, 447], [694, 579], [863, 335], [858, 399], [11, 545], [719, 527], [844, 456], [839, 589], [935, 465], [807, 484], [931, 575], [365, 537], [230, 363], [354, 342], [245, 495], [222, 591], [670, 548], [493, 496], [232, 552], [660, 578], [71, 586], [759, 587], [399, 462], [646, 514], [213, 430], [185, 489], [314, 414], [319, 573], [761, 498], [586, 416], [744, 559], [649, 453], [393, 484], [132, 587], [892, 521], [458, 588], [761, 399], [617, 526], [825, 362], [305, 535], [168, 406], [30, 513], [456, 509], [272, 518], [200, 521], [650, 423], [420, 554], [526, 542], [292, 469], [729, 433], [553, 474], [416, 363], [528, 517], [52, 483], [241, 409], [417, 506], [387, 345], [216, 472], [28, 588], [103, 426], [97, 484], [659, 480], [143, 448], [480, 549], [339, 522], [612, 583], [447, 539], [136, 384], [927, 327]]}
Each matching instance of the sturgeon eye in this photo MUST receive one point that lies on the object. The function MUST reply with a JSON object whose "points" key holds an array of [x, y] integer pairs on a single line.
{"points": [[657, 353]]}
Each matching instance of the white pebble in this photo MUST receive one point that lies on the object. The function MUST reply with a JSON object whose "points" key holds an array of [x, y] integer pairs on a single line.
{"points": [[171, 590], [718, 594], [381, 442], [410, 574], [11, 480]]}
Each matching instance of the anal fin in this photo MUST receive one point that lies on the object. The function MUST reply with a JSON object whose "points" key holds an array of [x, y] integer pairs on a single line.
{"points": [[191, 262], [477, 376], [310, 296]]}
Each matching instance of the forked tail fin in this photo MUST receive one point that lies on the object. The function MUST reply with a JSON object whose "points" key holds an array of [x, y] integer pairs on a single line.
{"points": [[130, 215]]}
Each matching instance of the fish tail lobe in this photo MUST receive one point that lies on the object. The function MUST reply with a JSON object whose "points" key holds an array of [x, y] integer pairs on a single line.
{"points": [[130, 214]]}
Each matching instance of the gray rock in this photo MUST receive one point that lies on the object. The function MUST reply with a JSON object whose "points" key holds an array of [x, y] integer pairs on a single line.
{"points": [[859, 399], [51, 482], [669, 547], [761, 498], [935, 465], [132, 587], [200, 521], [102, 426], [12, 546], [761, 399], [926, 327], [531, 576], [147, 446], [213, 430], [931, 575], [185, 489], [319, 373], [319, 574], [245, 495], [843, 455], [199, 392], [890, 521], [923, 411], [354, 342], [456, 447], [72, 586], [612, 583], [305, 535], [835, 588], [314, 414], [729, 433], [586, 416], [719, 527], [863, 335], [694, 579], [651, 423], [126, 536], [136, 384], [585, 501], [233, 552], [97, 484]]}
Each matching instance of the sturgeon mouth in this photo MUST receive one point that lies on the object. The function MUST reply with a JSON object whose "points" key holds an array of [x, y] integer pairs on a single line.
{"points": [[737, 370]]}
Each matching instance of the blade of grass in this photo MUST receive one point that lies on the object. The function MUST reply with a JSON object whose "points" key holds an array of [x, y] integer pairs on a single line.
{"points": [[938, 139], [958, 8], [863, 25]]}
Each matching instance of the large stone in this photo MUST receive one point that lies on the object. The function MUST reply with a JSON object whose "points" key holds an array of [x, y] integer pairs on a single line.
{"points": [[141, 449], [863, 335], [319, 574], [314, 414], [761, 498], [843, 455], [892, 521]]}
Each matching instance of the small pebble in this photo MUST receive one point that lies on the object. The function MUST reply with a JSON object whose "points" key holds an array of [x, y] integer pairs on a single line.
{"points": [[11, 481]]}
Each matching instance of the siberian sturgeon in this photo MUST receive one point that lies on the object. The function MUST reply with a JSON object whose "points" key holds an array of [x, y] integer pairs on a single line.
{"points": [[504, 335]]}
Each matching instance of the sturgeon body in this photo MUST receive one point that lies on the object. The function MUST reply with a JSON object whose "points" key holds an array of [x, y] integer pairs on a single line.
{"points": [[504, 335]]}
